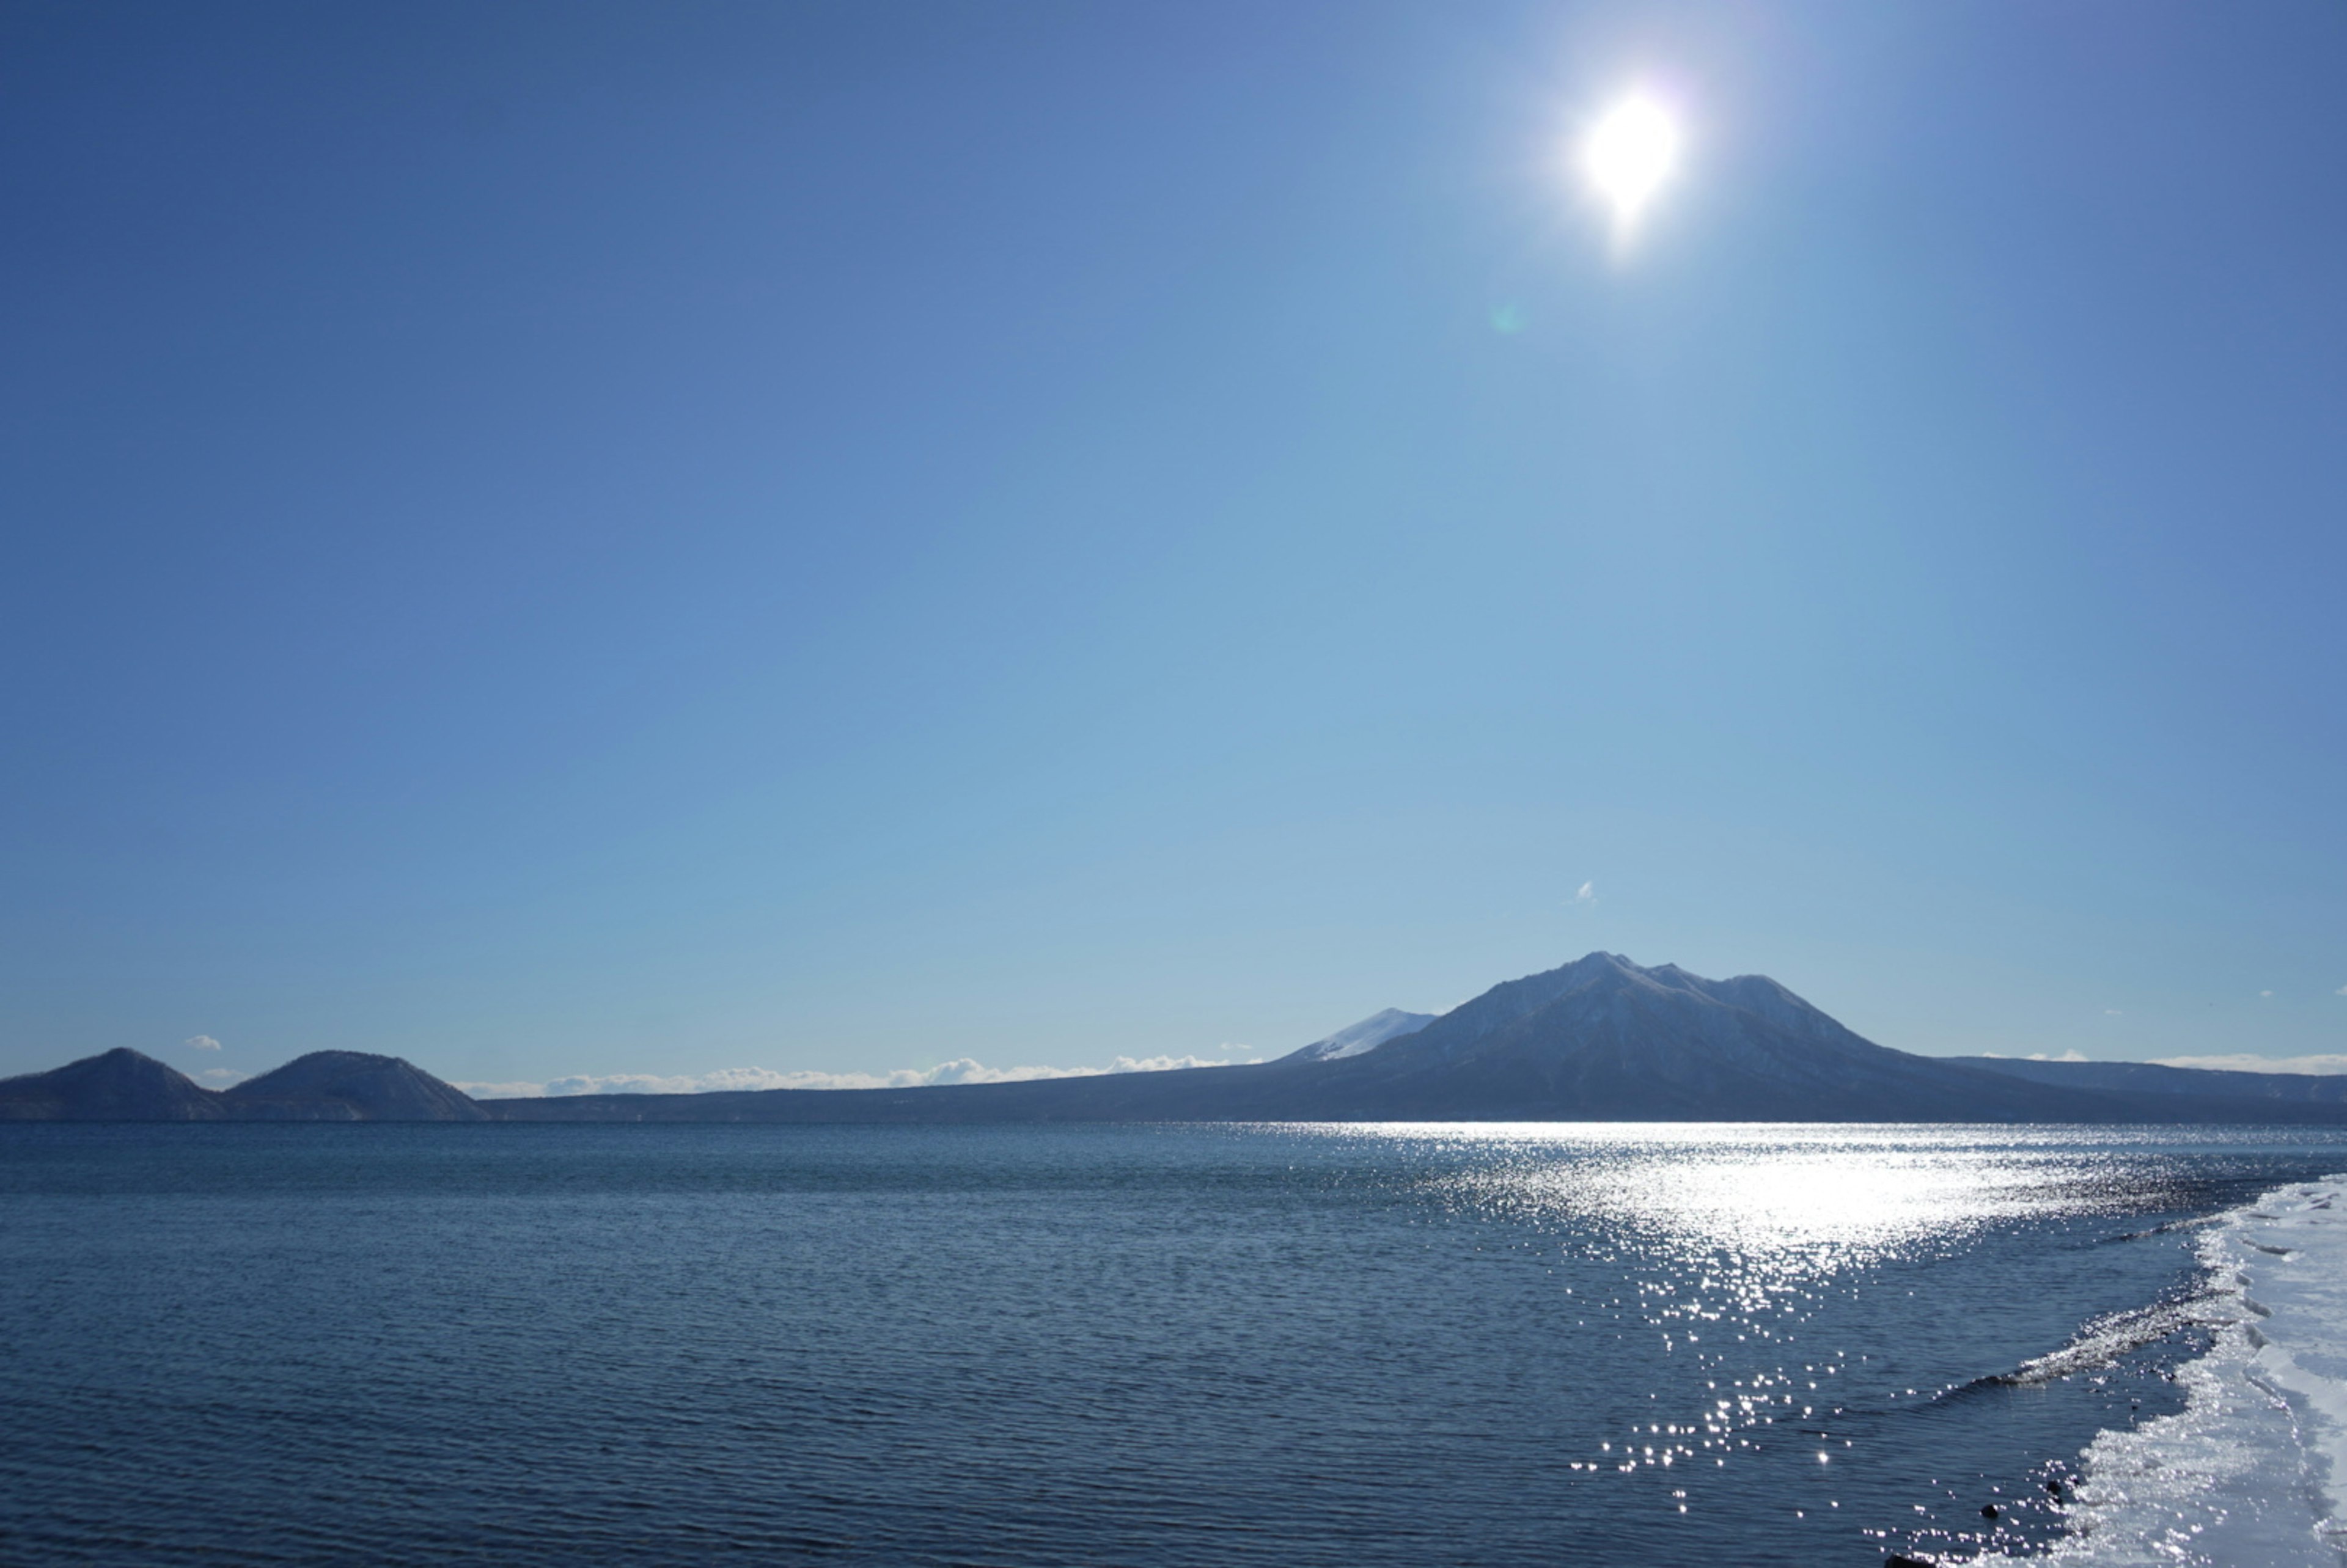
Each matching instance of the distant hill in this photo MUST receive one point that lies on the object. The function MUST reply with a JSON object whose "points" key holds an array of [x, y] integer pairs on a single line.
{"points": [[124, 1085], [349, 1086], [2151, 1078], [1600, 1038], [1365, 1036], [120, 1085]]}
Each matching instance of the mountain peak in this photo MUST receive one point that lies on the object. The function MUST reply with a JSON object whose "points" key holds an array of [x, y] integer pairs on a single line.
{"points": [[1365, 1036], [117, 1085], [1605, 1036], [351, 1086]]}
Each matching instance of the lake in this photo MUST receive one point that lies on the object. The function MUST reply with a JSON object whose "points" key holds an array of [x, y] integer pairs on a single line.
{"points": [[1137, 1345]]}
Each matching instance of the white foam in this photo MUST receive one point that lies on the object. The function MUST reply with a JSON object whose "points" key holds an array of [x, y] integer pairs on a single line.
{"points": [[2243, 1477]]}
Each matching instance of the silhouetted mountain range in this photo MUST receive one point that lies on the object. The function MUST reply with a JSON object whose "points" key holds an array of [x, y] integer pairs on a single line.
{"points": [[2151, 1078], [123, 1085], [1600, 1038]]}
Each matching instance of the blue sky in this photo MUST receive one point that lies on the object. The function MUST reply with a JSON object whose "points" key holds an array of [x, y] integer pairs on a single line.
{"points": [[573, 539]]}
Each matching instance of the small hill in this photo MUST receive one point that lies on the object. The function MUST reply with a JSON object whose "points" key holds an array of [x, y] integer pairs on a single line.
{"points": [[122, 1085], [118, 1085], [349, 1086]]}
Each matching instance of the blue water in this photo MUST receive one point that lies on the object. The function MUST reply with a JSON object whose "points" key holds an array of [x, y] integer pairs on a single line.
{"points": [[549, 1345]]}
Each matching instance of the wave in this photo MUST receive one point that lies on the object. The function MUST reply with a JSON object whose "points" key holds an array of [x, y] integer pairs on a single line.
{"points": [[2105, 1340], [2243, 1476]]}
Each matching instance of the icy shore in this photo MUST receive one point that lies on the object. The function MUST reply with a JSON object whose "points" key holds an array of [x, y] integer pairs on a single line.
{"points": [[2249, 1473]]}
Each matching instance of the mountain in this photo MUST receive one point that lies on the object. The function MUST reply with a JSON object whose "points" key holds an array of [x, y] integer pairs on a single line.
{"points": [[120, 1085], [349, 1086], [1597, 1040], [1367, 1035], [1600, 1039], [1604, 1037], [2151, 1078]]}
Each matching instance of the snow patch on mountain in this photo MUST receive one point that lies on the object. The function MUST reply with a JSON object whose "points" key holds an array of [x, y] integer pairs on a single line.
{"points": [[1365, 1036]]}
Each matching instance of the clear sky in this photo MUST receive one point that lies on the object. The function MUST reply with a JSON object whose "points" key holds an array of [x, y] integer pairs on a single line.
{"points": [[571, 539]]}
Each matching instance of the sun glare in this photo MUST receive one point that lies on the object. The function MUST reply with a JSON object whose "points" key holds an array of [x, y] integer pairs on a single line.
{"points": [[1628, 155]]}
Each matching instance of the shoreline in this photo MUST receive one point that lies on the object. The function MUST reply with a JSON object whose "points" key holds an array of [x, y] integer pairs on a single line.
{"points": [[2244, 1475]]}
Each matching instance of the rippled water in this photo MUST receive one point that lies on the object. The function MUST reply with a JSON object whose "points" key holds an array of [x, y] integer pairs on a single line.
{"points": [[542, 1345]]}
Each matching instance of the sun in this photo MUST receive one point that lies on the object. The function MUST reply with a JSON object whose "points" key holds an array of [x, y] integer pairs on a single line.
{"points": [[1629, 155]]}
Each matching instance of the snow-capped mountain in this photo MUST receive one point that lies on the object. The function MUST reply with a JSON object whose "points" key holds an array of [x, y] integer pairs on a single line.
{"points": [[1367, 1035]]}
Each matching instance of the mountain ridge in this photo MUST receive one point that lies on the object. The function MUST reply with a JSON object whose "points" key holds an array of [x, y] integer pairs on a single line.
{"points": [[1600, 1039], [2158, 1078], [126, 1085]]}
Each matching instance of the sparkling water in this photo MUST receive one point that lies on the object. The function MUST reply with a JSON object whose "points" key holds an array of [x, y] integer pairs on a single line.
{"points": [[1211, 1345]]}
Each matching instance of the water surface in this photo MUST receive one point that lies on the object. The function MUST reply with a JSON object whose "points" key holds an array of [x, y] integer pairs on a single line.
{"points": [[541, 1344]]}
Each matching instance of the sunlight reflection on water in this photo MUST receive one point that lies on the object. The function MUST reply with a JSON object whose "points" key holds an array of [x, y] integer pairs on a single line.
{"points": [[1800, 1199], [1755, 1259], [1201, 1346]]}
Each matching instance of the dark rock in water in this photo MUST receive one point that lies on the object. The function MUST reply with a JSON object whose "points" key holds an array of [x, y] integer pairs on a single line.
{"points": [[120, 1085], [1990, 1512], [1899, 1559], [349, 1086]]}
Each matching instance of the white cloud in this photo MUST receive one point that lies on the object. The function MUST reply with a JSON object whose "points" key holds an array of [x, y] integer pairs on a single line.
{"points": [[514, 1090], [1585, 894], [962, 1070], [2113, 1012], [2242, 1063], [2342, 991], [223, 1076], [200, 1043], [2265, 993], [2073, 1054]]}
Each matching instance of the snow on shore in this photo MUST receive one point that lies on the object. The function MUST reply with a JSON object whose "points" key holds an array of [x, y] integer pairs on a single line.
{"points": [[2247, 1475]]}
